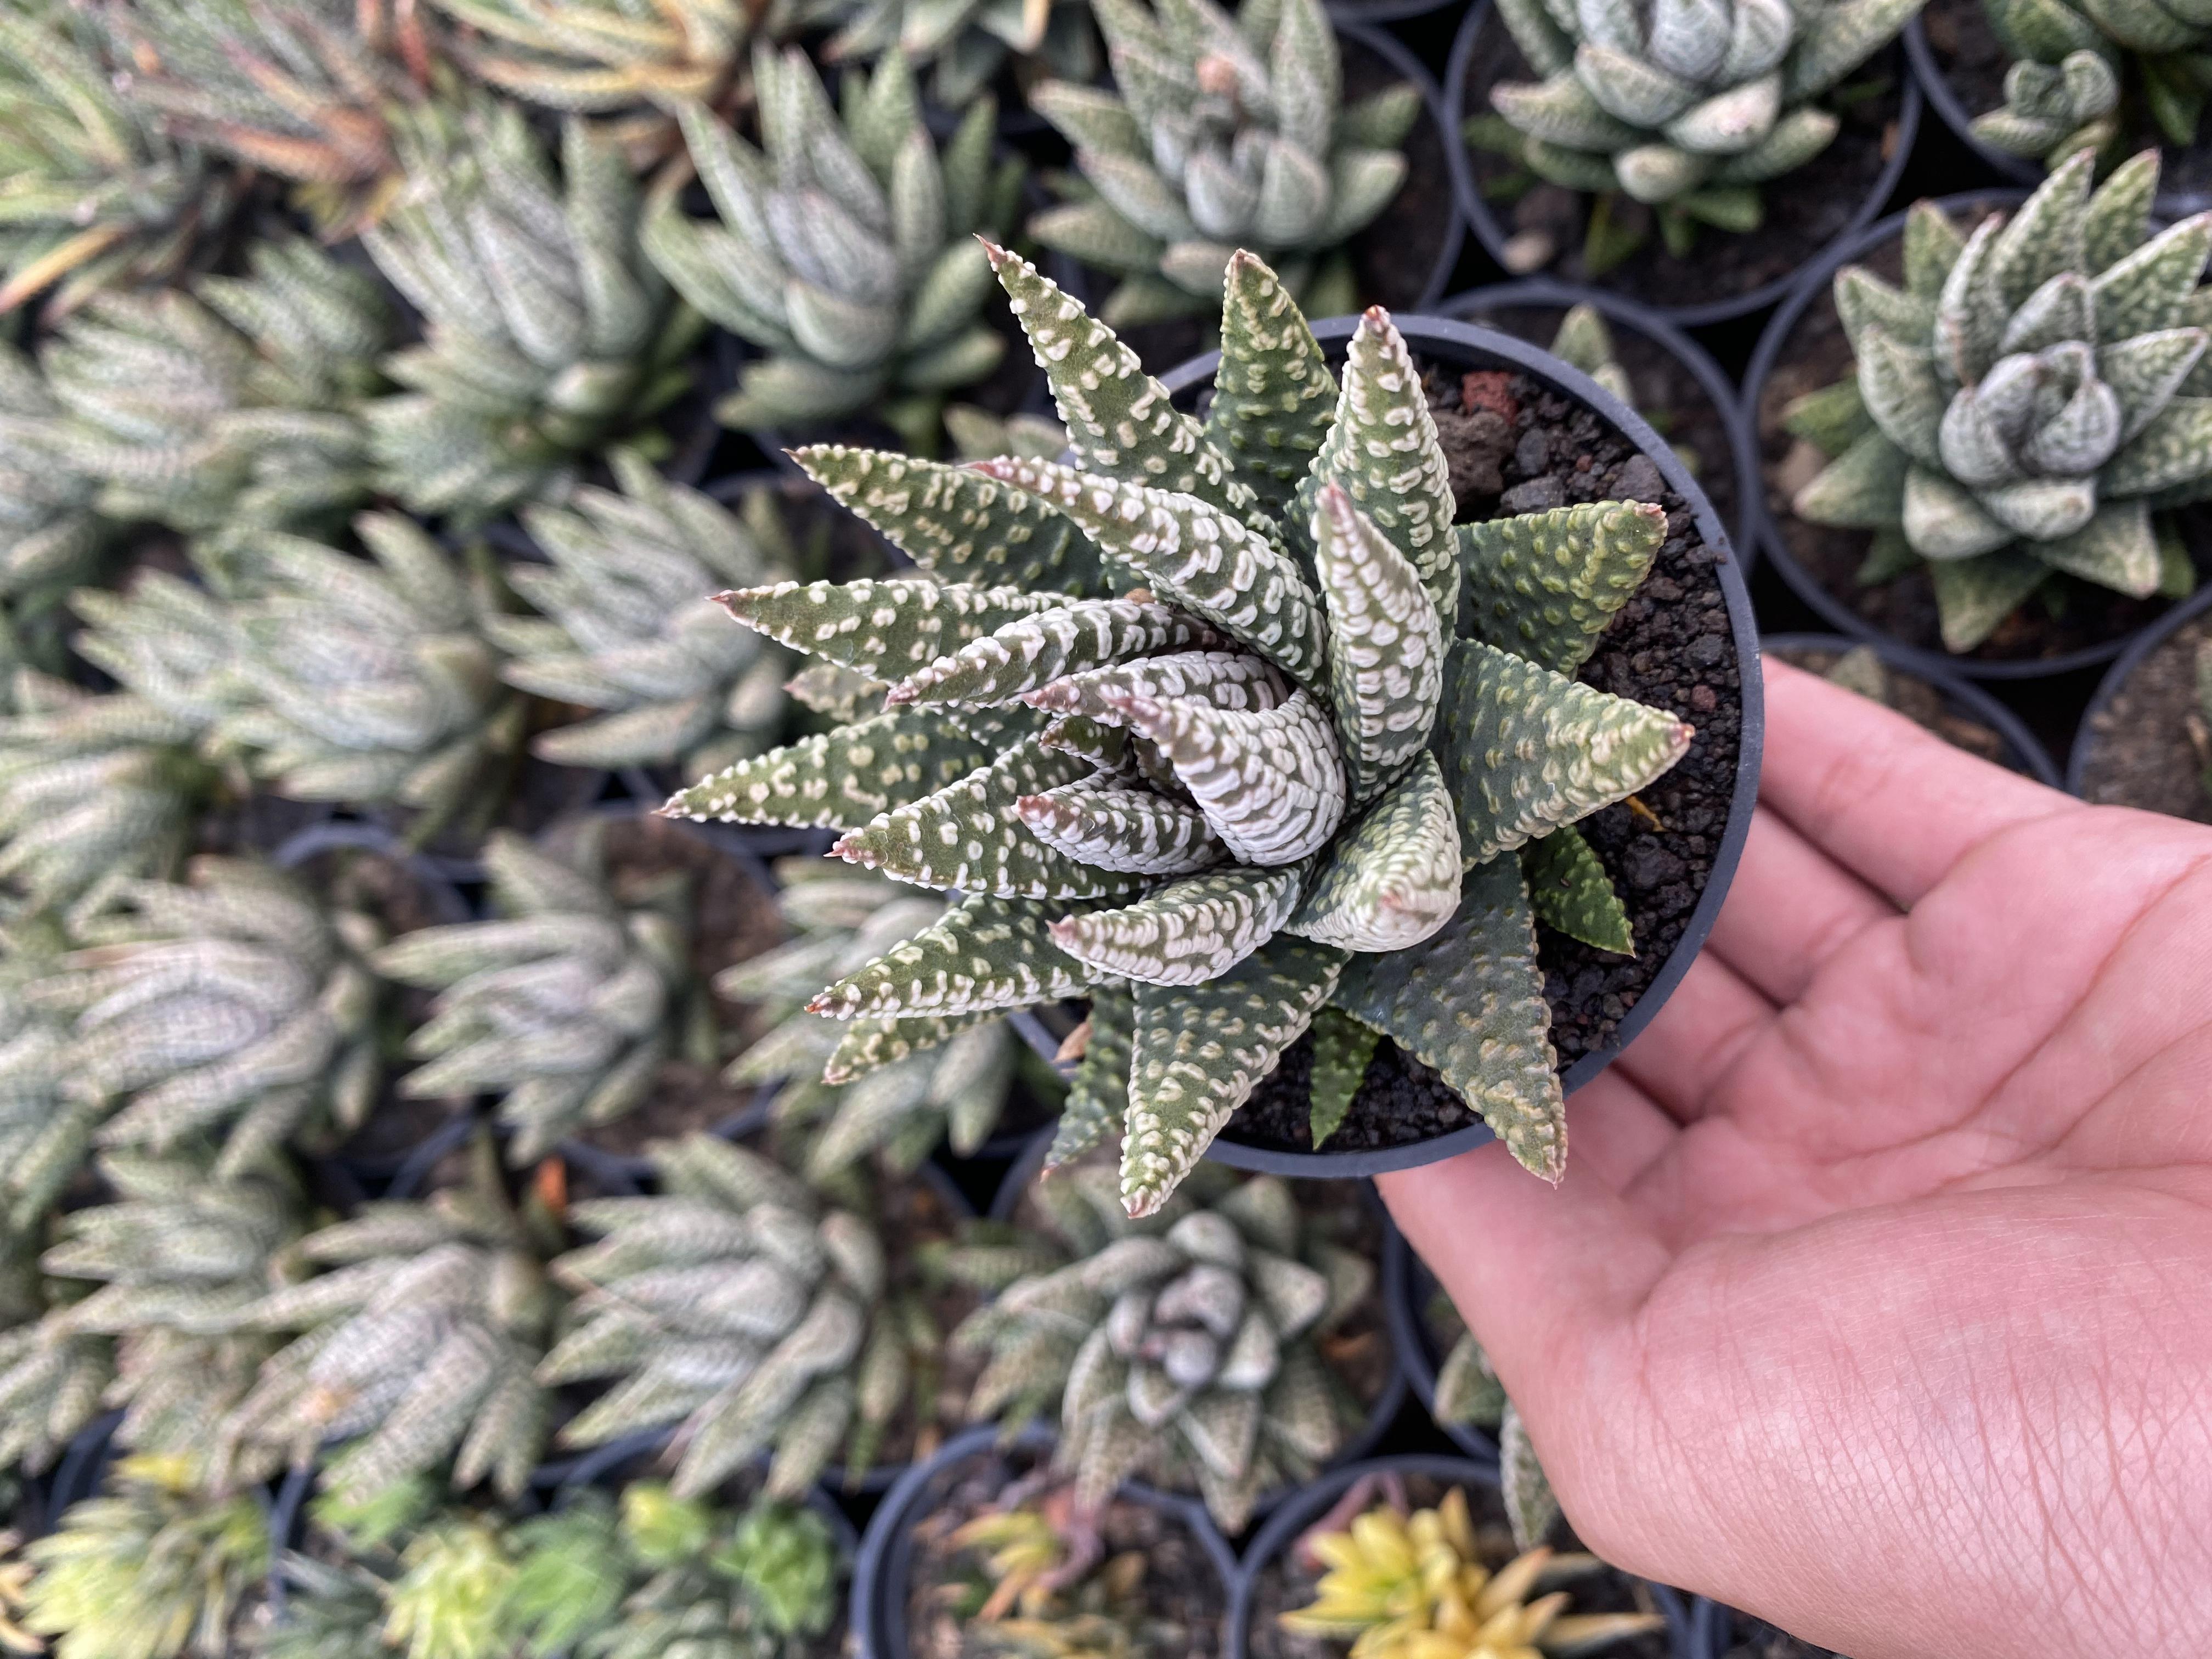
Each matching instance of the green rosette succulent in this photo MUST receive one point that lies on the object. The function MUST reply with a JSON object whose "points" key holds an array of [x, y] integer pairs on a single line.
{"points": [[53, 1378], [625, 627], [1686, 105], [2070, 73], [1181, 1346], [749, 1312], [52, 540], [1223, 132], [2026, 404], [1284, 774], [845, 248], [547, 334], [965, 44], [891, 1088], [568, 1004], [45, 1126]]}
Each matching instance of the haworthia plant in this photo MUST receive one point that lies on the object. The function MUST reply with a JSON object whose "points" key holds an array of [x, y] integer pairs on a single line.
{"points": [[2026, 405], [51, 539], [627, 628], [891, 1087], [845, 248], [1262, 783], [2079, 70], [1222, 132], [1687, 105], [568, 1004], [547, 333], [52, 1381], [419, 1342], [1183, 1348], [965, 44], [45, 1127], [750, 1311]]}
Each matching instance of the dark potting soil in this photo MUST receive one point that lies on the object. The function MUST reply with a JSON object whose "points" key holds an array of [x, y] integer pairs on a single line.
{"points": [[1286, 1582], [1667, 394], [2065, 614], [1513, 446], [1805, 211], [1180, 1590], [1754, 1638], [1972, 58], [2139, 751], [1925, 705]]}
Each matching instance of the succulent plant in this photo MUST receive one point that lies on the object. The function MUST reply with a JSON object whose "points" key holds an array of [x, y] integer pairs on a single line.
{"points": [[568, 1004], [1044, 1588], [94, 195], [1246, 789], [50, 538], [979, 435], [419, 1343], [52, 1381], [235, 1004], [2026, 403], [153, 1568], [234, 408], [546, 334], [892, 1087], [1687, 105], [45, 1127], [627, 628], [764, 1586], [2199, 718], [845, 248], [1181, 1346], [306, 90], [1225, 132], [2062, 93], [1413, 1586], [738, 1305], [966, 43]]}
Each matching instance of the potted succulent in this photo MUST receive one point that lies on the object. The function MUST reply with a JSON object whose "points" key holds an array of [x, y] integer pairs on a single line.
{"points": [[1757, 135], [2147, 738], [1955, 709], [1900, 505]]}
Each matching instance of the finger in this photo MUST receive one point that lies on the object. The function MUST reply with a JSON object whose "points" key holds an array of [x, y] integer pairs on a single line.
{"points": [[1618, 1131], [1679, 1059], [1882, 798], [1788, 908]]}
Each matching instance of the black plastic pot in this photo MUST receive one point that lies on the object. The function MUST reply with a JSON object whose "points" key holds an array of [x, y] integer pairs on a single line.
{"points": [[1443, 339], [82, 1466], [1493, 234], [1814, 287], [1406, 1286], [1478, 305], [879, 1581], [1687, 1630], [1356, 13], [2023, 754], [2145, 644]]}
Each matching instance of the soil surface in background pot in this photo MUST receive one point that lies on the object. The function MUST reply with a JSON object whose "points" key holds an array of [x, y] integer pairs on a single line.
{"points": [[2140, 753], [1516, 446], [1284, 1584], [1754, 1638], [1967, 51], [2065, 614], [1923, 704], [1805, 210], [1181, 1588], [1667, 394]]}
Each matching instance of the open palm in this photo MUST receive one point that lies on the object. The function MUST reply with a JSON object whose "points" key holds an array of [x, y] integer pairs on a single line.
{"points": [[1878, 1296]]}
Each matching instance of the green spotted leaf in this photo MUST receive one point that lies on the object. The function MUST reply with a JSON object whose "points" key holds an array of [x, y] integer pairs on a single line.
{"points": [[838, 779], [872, 1044], [1385, 645], [1274, 397], [1183, 932], [1342, 1046], [1099, 1099], [1469, 1001], [967, 836], [1115, 829], [960, 523], [1032, 651], [1227, 680], [1392, 878], [1200, 1049], [984, 952], [1972, 596], [1544, 585], [885, 629], [1532, 1508], [1571, 892], [1525, 750]]}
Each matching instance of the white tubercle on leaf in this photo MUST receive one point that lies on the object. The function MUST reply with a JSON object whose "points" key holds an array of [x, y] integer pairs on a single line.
{"points": [[1271, 783]]}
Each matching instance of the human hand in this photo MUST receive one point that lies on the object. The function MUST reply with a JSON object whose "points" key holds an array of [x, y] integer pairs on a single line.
{"points": [[1877, 1299]]}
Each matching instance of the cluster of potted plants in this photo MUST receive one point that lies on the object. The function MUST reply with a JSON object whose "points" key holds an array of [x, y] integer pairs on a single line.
{"points": [[752, 752]]}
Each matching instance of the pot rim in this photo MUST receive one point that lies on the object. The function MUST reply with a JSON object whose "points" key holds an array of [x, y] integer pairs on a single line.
{"points": [[1447, 335], [1814, 282], [2144, 643], [1477, 216]]}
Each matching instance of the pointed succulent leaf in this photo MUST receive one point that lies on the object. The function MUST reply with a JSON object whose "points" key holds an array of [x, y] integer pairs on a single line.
{"points": [[1114, 828], [1392, 878], [1184, 931], [874, 1043], [1385, 644], [1227, 680], [985, 953], [1274, 397], [1544, 585], [839, 779], [1570, 891], [1271, 783], [1099, 1099], [1031, 651], [886, 629], [1342, 1048]]}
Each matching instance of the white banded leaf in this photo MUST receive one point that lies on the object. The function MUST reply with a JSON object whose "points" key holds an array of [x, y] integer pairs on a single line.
{"points": [[886, 629], [1227, 680], [1385, 644], [1271, 783], [1185, 932], [1392, 878], [1544, 585], [1098, 1098], [872, 1042], [984, 953], [1114, 828], [1030, 651], [838, 779]]}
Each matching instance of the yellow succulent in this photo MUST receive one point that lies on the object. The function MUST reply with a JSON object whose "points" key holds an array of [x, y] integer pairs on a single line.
{"points": [[15, 1585], [1020, 1550]]}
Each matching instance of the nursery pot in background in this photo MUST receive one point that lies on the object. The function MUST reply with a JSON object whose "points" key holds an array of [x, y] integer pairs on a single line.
{"points": [[1725, 277], [2136, 747], [1257, 1597], [1406, 1286], [1719, 778], [882, 1580], [1803, 349]]}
